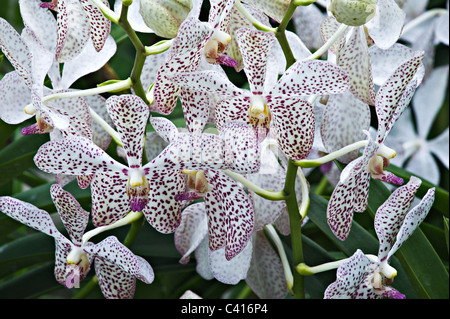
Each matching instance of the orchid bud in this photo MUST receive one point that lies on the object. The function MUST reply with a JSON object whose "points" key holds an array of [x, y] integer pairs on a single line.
{"points": [[165, 16], [353, 12]]}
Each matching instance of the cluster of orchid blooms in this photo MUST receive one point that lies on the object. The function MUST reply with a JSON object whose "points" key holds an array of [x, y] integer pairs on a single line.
{"points": [[219, 185]]}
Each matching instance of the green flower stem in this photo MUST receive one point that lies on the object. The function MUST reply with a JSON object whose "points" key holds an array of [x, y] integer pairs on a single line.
{"points": [[306, 163], [113, 133], [87, 288], [291, 173], [158, 47], [303, 3], [305, 194], [140, 55], [258, 25], [324, 48], [267, 194], [306, 270]]}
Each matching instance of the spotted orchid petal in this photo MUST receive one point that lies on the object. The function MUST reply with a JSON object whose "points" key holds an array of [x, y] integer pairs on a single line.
{"points": [[29, 215], [255, 47], [386, 26], [16, 50], [266, 275], [344, 119], [184, 56], [385, 62], [163, 211], [99, 136], [114, 282], [73, 30], [151, 67], [412, 220], [350, 194], [110, 201], [74, 217], [129, 113], [230, 215], [75, 156], [391, 214], [311, 77], [113, 251], [208, 82], [230, 271], [192, 230], [232, 109], [348, 277], [307, 21], [293, 120], [390, 95], [220, 9], [196, 109], [14, 96], [100, 26], [165, 128], [354, 59], [235, 148]]}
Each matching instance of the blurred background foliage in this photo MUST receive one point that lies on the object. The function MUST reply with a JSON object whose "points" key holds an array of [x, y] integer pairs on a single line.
{"points": [[27, 256]]}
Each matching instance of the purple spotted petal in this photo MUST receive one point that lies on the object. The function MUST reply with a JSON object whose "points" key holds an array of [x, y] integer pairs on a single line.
{"points": [[328, 27], [255, 47], [16, 51], [75, 156], [114, 282], [162, 211], [275, 9], [100, 26], [74, 217], [112, 250], [14, 96], [349, 276], [73, 30], [391, 93], [110, 201], [391, 293], [219, 11], [29, 215], [389, 217], [62, 250], [386, 26], [191, 231], [354, 59], [413, 220], [209, 82], [232, 109], [230, 271], [312, 77], [344, 119], [293, 120], [197, 108], [130, 114], [165, 128], [184, 56], [266, 275], [235, 212]]}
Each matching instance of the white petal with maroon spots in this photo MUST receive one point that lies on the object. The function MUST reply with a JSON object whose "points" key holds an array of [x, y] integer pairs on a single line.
{"points": [[312, 77], [390, 94], [232, 109], [255, 47], [344, 119], [165, 128], [293, 120], [74, 217], [192, 230], [129, 113], [114, 282], [14, 96], [100, 26], [355, 60], [328, 28], [16, 51], [110, 201], [412, 220], [196, 109], [75, 156], [163, 212], [73, 30], [266, 275], [115, 252], [220, 9], [349, 277], [275, 9]]}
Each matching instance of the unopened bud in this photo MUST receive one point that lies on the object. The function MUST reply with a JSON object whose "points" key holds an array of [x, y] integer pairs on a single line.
{"points": [[165, 16], [353, 12]]}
